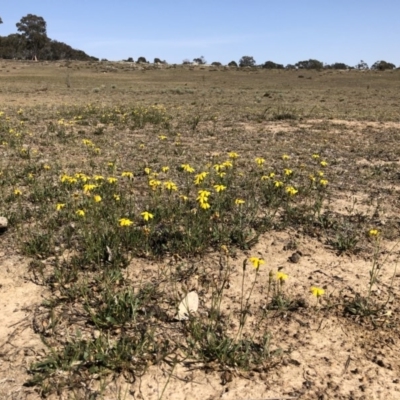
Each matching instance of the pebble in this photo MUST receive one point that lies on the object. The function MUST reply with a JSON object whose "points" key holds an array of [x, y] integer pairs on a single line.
{"points": [[3, 224], [294, 258]]}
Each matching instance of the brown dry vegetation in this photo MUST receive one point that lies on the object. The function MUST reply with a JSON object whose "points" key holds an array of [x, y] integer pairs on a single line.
{"points": [[64, 282]]}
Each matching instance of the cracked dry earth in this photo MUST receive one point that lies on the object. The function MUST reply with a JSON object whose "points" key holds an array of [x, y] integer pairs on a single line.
{"points": [[325, 356]]}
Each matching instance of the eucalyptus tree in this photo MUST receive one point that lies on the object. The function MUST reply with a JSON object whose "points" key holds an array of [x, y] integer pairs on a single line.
{"points": [[33, 29]]}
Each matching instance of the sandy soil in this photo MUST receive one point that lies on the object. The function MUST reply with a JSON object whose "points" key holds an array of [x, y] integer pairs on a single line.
{"points": [[325, 356]]}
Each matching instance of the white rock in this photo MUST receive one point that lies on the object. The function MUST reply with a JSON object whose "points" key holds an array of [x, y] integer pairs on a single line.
{"points": [[3, 223], [188, 305]]}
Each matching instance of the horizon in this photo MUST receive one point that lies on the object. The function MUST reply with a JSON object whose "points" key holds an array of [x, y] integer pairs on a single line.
{"points": [[220, 31]]}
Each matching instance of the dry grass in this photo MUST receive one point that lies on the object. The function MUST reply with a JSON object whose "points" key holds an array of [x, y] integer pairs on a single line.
{"points": [[112, 291]]}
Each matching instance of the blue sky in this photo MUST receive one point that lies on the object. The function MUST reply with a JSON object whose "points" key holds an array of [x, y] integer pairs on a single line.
{"points": [[283, 31]]}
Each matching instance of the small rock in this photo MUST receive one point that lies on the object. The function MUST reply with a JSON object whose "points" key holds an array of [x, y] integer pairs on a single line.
{"points": [[226, 377], [294, 258], [96, 334], [3, 224]]}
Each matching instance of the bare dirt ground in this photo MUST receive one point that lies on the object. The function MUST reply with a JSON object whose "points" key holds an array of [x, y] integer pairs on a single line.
{"points": [[326, 356], [320, 352]]}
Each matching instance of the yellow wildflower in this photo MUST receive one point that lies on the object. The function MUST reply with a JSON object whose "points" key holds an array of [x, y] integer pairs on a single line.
{"points": [[200, 177], [87, 142], [219, 188], [233, 155], [82, 177], [278, 184], [125, 222], [88, 187], [204, 205], [323, 182], [117, 197], [154, 183], [112, 180], [238, 202], [288, 172], [218, 167], [17, 192], [81, 213], [165, 169], [285, 157], [187, 168], [146, 215], [291, 191], [373, 233], [280, 276], [227, 164], [260, 161], [127, 174], [170, 185], [203, 195], [257, 262], [317, 292], [97, 198], [60, 206], [323, 163]]}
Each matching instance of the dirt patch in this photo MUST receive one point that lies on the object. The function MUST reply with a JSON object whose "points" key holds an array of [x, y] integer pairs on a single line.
{"points": [[19, 345]]}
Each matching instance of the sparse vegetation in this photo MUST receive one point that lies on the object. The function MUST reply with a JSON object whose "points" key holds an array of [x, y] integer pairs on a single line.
{"points": [[186, 182]]}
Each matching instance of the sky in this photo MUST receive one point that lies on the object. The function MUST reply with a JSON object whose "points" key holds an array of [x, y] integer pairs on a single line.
{"points": [[282, 31]]}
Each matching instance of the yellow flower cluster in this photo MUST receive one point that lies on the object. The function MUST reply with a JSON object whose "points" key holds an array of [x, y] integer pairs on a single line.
{"points": [[203, 199]]}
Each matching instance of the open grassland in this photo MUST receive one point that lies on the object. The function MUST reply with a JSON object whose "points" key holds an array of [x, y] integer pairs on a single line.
{"points": [[131, 191]]}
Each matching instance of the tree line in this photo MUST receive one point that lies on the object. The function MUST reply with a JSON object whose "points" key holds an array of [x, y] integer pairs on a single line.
{"points": [[31, 42], [249, 61]]}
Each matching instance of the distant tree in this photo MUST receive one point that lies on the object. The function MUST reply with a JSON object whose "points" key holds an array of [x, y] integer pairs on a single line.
{"points": [[272, 65], [216, 63], [1, 21], [200, 60], [382, 65], [130, 59], [12, 46], [33, 29], [309, 64], [247, 61], [158, 61], [290, 66], [362, 65], [232, 64], [141, 60], [186, 61], [337, 65]]}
